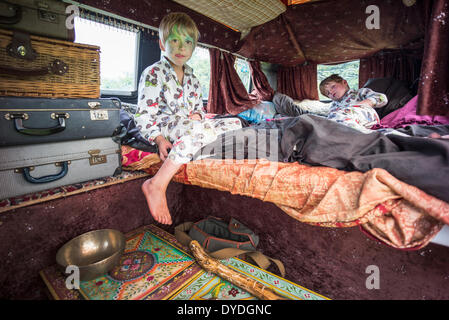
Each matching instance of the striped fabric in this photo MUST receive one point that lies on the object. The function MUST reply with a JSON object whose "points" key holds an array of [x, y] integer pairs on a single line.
{"points": [[241, 15]]}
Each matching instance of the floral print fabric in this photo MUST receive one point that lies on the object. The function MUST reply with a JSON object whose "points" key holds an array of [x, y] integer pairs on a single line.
{"points": [[392, 211], [164, 107]]}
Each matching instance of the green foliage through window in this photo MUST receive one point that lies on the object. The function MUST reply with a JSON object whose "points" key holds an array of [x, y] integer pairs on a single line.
{"points": [[242, 68], [118, 55], [200, 63]]}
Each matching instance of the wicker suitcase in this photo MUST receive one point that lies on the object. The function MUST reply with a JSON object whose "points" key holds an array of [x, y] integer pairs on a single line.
{"points": [[42, 120], [34, 66], [39, 17], [33, 168]]}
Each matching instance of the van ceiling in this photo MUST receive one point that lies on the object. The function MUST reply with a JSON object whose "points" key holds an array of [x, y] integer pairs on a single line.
{"points": [[240, 15], [324, 31], [332, 31]]}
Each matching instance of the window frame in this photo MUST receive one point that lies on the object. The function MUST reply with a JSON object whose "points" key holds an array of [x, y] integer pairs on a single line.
{"points": [[202, 46], [128, 93], [131, 96], [123, 95]]}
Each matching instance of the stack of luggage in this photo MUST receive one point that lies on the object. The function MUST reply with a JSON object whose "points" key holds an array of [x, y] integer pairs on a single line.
{"points": [[55, 129]]}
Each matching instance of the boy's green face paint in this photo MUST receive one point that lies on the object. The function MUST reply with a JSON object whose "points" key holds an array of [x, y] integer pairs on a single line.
{"points": [[179, 46], [179, 38]]}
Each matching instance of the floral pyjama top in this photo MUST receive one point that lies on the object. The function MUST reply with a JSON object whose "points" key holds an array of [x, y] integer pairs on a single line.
{"points": [[164, 106], [350, 112]]}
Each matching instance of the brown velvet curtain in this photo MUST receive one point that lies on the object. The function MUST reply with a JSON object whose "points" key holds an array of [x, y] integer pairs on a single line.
{"points": [[400, 65], [433, 89], [262, 89], [299, 82], [227, 94]]}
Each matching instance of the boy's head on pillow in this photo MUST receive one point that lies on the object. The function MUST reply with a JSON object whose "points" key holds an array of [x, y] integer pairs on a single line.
{"points": [[334, 87]]}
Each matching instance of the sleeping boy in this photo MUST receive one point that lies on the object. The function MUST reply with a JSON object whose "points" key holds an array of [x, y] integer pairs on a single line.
{"points": [[350, 107]]}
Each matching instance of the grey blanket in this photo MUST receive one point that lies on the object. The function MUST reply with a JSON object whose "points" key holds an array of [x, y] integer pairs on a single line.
{"points": [[313, 140]]}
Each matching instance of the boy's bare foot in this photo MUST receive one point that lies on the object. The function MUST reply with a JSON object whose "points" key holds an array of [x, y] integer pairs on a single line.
{"points": [[157, 202]]}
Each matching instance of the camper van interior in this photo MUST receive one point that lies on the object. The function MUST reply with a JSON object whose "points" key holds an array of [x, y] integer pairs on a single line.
{"points": [[331, 202]]}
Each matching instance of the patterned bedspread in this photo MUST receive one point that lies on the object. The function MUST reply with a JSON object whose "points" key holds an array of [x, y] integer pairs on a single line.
{"points": [[398, 214]]}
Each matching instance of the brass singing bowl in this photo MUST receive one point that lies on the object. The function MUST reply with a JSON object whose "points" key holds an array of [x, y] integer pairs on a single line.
{"points": [[95, 253]]}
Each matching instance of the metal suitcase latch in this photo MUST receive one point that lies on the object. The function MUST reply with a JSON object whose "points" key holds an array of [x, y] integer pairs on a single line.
{"points": [[47, 16], [12, 116], [94, 104], [96, 158], [59, 115]]}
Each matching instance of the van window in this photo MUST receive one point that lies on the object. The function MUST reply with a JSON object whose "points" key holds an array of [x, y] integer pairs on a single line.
{"points": [[349, 71], [200, 63], [118, 56], [242, 68]]}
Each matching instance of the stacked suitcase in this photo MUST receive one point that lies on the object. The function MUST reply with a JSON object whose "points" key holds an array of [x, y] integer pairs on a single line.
{"points": [[55, 130]]}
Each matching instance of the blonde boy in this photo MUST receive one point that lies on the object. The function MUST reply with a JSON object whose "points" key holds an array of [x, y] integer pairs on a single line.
{"points": [[350, 107], [170, 109]]}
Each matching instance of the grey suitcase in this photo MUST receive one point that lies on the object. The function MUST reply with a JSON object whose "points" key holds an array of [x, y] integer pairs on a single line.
{"points": [[33, 168], [26, 121], [40, 17]]}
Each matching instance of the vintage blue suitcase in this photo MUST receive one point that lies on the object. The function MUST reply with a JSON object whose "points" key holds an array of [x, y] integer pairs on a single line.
{"points": [[27, 120], [37, 167]]}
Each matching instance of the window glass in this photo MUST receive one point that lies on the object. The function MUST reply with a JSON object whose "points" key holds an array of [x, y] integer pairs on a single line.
{"points": [[118, 56], [349, 71], [242, 68], [200, 63]]}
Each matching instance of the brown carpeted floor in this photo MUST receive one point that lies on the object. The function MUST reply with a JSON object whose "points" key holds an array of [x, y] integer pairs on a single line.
{"points": [[329, 261]]}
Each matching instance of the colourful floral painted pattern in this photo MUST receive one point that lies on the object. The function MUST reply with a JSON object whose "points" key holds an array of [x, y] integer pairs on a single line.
{"points": [[173, 275], [211, 287], [148, 264]]}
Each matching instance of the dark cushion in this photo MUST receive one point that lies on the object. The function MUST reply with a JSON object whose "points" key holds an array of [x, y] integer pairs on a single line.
{"points": [[397, 92], [131, 134]]}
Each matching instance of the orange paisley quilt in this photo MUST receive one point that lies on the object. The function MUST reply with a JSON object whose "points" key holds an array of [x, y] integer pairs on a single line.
{"points": [[392, 211]]}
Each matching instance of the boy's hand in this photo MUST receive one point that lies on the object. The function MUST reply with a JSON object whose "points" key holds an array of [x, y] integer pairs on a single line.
{"points": [[195, 116], [164, 147], [367, 101]]}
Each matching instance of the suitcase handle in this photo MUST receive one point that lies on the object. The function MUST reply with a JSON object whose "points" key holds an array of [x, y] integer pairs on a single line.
{"points": [[49, 178], [16, 18], [38, 131]]}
